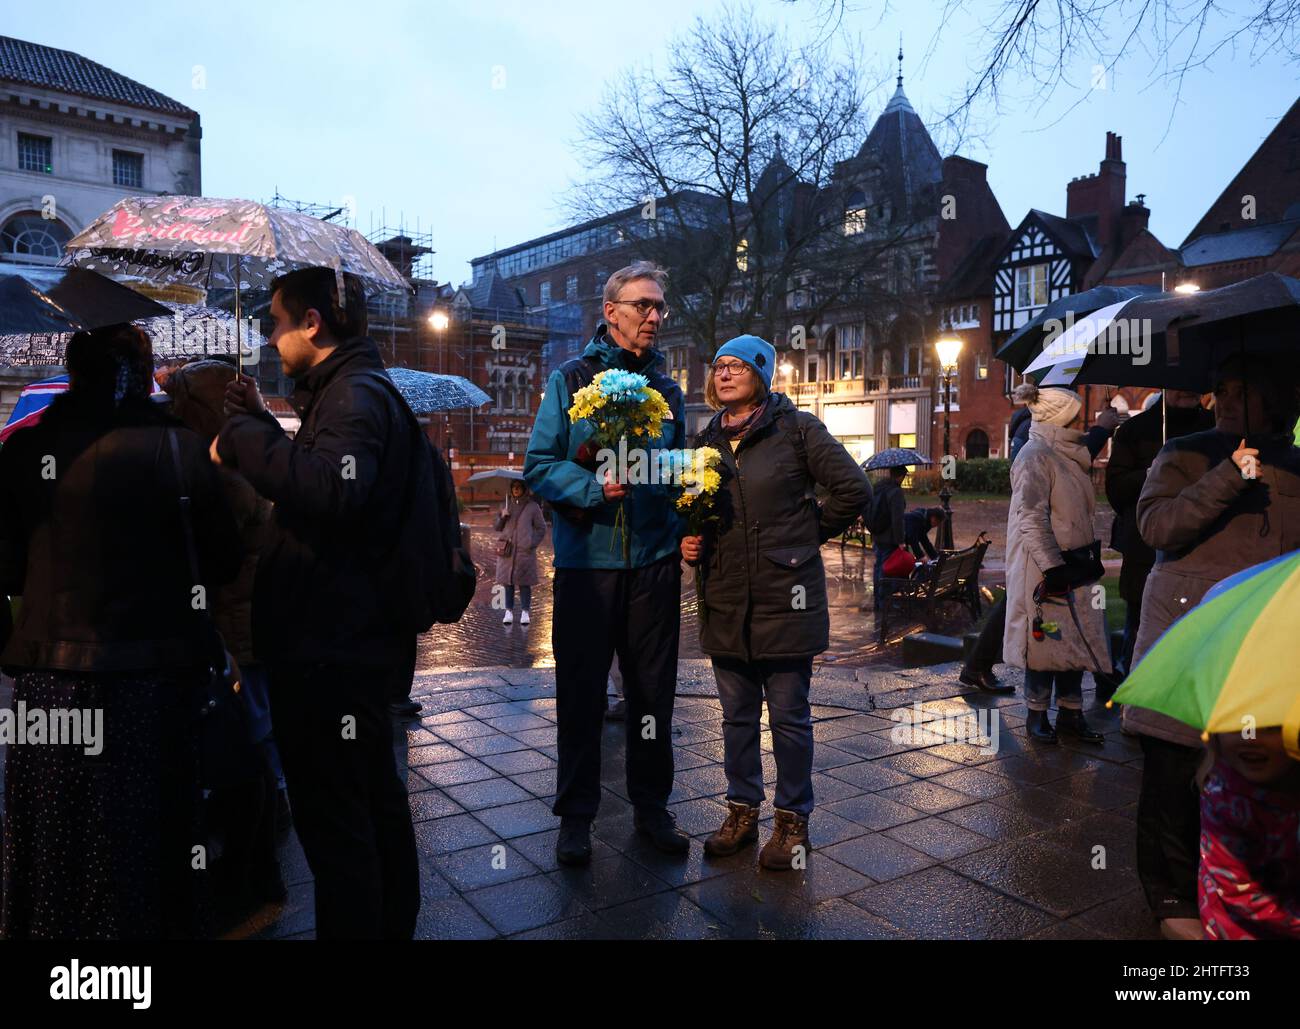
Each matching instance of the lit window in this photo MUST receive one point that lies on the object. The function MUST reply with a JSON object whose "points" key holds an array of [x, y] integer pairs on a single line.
{"points": [[982, 366], [742, 255], [1031, 286]]}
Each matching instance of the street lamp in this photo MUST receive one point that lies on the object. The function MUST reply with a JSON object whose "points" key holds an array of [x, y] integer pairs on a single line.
{"points": [[1187, 287], [948, 348], [438, 321]]}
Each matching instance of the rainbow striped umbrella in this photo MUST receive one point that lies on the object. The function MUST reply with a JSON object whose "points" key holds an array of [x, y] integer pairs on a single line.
{"points": [[1231, 657]]}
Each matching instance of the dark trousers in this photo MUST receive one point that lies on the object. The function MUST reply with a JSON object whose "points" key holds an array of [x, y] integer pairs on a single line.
{"points": [[878, 570], [525, 597], [349, 803], [1132, 622], [987, 651], [741, 687], [1169, 828], [404, 673], [635, 613], [1038, 690]]}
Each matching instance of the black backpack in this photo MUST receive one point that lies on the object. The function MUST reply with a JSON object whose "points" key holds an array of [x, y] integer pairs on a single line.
{"points": [[434, 577]]}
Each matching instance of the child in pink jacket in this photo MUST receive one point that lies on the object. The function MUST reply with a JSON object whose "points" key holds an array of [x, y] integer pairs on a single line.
{"points": [[1249, 880]]}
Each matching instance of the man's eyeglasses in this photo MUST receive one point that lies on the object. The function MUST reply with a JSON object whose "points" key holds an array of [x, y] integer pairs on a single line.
{"points": [[644, 307], [733, 368]]}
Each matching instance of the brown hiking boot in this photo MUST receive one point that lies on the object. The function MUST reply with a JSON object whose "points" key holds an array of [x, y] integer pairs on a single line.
{"points": [[739, 830], [789, 843]]}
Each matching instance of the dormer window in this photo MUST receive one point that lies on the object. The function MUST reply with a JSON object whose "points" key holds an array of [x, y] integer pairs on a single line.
{"points": [[855, 214]]}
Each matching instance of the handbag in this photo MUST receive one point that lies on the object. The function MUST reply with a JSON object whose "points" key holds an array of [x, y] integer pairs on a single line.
{"points": [[1083, 565], [224, 721], [505, 547]]}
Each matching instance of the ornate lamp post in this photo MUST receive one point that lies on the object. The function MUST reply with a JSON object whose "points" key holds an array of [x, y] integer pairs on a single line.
{"points": [[948, 347]]}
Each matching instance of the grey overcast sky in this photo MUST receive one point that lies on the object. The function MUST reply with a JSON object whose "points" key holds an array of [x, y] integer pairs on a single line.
{"points": [[461, 116]]}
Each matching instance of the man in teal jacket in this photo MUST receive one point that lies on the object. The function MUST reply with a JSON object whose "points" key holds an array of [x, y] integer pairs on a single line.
{"points": [[611, 597]]}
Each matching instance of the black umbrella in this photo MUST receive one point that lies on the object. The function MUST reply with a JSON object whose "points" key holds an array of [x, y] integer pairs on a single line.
{"points": [[1185, 337], [53, 300], [1028, 341]]}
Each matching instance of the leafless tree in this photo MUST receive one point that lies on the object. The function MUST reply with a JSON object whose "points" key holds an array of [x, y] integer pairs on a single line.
{"points": [[1041, 40], [753, 243]]}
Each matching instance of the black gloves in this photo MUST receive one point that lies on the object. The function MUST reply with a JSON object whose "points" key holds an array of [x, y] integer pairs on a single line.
{"points": [[1057, 580]]}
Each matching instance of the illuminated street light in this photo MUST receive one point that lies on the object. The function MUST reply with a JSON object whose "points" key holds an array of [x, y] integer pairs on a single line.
{"points": [[1187, 287], [949, 349], [438, 321]]}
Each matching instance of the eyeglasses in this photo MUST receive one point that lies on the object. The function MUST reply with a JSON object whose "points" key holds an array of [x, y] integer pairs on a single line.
{"points": [[733, 368], [644, 307]]}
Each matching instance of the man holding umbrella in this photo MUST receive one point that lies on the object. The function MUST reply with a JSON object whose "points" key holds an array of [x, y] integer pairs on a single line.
{"points": [[320, 608]]}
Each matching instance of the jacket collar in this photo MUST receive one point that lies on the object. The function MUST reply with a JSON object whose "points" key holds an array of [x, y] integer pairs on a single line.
{"points": [[1065, 441], [609, 354], [359, 353], [777, 404]]}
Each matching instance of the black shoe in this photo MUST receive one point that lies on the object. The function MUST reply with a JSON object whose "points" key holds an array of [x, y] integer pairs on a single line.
{"points": [[1039, 728], [661, 830], [1071, 723], [404, 709], [983, 680], [573, 847]]}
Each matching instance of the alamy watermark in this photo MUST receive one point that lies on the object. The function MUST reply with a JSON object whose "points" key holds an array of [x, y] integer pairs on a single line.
{"points": [[1123, 336], [70, 727], [918, 727]]}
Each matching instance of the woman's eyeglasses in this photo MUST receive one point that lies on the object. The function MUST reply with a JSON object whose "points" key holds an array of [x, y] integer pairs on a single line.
{"points": [[733, 368]]}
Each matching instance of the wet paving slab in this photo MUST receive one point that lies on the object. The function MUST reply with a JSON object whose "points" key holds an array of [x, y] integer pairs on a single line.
{"points": [[926, 835]]}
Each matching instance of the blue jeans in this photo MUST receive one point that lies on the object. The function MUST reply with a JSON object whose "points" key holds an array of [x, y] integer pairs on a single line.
{"points": [[256, 679], [1038, 690], [741, 686]]}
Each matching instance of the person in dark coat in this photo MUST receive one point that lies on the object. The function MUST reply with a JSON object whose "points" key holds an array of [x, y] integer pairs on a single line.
{"points": [[762, 588], [98, 834], [242, 814], [1213, 504], [917, 526], [886, 523], [322, 613], [1135, 446]]}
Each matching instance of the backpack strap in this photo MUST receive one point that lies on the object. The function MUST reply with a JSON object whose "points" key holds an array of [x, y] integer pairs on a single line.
{"points": [[797, 435], [578, 373]]}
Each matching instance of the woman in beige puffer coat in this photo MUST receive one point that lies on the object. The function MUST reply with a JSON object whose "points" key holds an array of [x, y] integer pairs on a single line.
{"points": [[1052, 507]]}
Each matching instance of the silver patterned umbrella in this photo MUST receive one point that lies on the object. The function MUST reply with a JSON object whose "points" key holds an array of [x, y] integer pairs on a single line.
{"points": [[216, 244], [191, 330], [428, 391]]}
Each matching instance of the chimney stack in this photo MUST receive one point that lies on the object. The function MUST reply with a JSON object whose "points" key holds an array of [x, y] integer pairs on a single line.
{"points": [[1101, 196]]}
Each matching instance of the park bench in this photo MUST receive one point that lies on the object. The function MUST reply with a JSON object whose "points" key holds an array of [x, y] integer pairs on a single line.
{"points": [[952, 578]]}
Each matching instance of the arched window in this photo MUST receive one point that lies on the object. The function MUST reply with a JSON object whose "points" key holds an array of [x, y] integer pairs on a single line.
{"points": [[977, 445], [29, 237]]}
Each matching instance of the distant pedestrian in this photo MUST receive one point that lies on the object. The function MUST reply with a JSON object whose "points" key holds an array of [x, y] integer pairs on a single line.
{"points": [[99, 833], [761, 585], [1053, 630], [323, 616], [522, 530], [885, 522], [917, 526]]}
